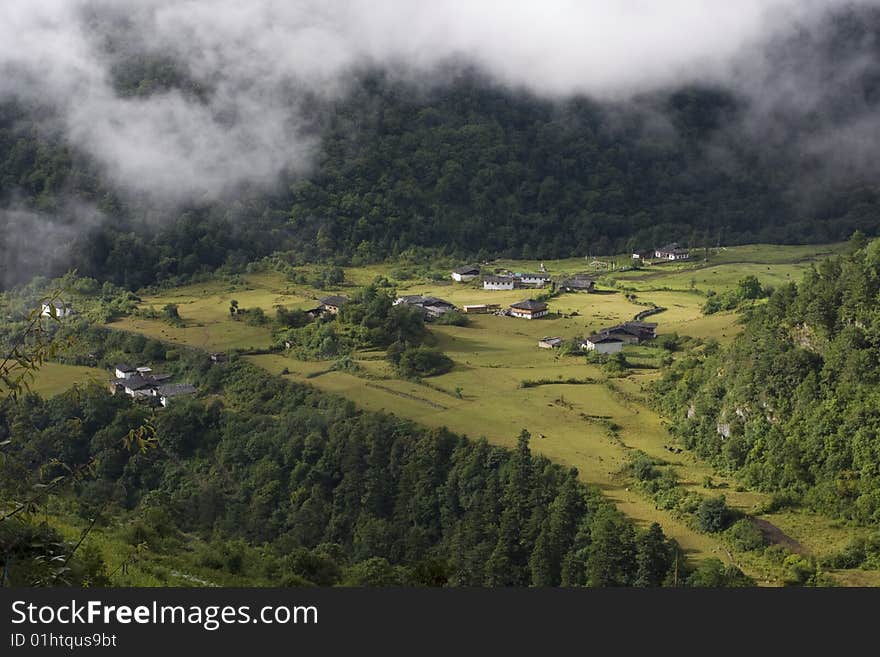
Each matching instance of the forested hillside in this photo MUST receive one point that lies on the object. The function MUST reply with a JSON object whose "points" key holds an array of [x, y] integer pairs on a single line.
{"points": [[793, 405], [473, 168], [286, 485]]}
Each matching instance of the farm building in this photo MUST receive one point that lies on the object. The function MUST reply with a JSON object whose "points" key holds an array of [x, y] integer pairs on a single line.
{"points": [[481, 308], [465, 274], [672, 252], [632, 332], [577, 283], [602, 344], [333, 303], [533, 280], [431, 307], [56, 309], [529, 309], [125, 371], [644, 254], [499, 283], [550, 343], [139, 382], [166, 393]]}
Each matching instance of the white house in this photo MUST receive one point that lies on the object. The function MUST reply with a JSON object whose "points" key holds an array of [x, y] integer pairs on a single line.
{"points": [[124, 371], [602, 344], [499, 283], [529, 309], [672, 252], [550, 343], [465, 274], [538, 280], [60, 309]]}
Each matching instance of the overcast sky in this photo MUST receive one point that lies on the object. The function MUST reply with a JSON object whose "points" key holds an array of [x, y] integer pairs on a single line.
{"points": [[258, 53]]}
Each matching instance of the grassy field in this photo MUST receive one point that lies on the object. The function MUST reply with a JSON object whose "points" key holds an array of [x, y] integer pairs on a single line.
{"points": [[595, 425], [54, 378]]}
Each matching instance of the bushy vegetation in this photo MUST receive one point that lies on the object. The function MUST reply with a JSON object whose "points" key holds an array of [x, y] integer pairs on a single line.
{"points": [[285, 485], [792, 405]]}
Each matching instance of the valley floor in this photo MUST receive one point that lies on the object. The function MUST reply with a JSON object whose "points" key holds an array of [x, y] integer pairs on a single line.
{"points": [[595, 424]]}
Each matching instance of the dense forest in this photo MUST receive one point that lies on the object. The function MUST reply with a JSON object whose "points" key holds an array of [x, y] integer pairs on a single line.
{"points": [[792, 405], [471, 168], [290, 486]]}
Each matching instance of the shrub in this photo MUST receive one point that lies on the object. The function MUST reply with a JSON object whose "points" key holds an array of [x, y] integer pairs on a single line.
{"points": [[745, 536], [454, 318], [422, 361], [713, 515]]}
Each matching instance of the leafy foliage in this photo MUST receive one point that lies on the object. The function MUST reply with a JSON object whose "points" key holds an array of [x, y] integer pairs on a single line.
{"points": [[792, 405]]}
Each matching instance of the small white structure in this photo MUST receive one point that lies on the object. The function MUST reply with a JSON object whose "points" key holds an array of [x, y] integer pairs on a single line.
{"points": [[499, 283], [465, 274], [550, 343], [602, 344], [125, 371], [60, 309]]}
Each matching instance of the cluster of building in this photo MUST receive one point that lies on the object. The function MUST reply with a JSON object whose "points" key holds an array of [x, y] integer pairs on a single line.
{"points": [[669, 252], [143, 383], [431, 307], [516, 280], [609, 340]]}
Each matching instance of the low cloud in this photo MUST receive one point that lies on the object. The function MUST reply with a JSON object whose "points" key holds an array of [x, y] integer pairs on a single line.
{"points": [[38, 244], [261, 62]]}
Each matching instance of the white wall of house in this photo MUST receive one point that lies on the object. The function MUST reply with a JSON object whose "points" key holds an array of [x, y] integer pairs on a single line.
{"points": [[124, 375], [463, 278], [524, 314], [493, 285], [535, 280]]}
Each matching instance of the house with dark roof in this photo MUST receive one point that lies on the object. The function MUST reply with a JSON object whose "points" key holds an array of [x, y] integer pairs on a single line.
{"points": [[465, 274], [643, 254], [166, 393], [550, 343], [431, 307], [577, 283], [142, 382], [499, 283], [528, 309], [630, 332], [672, 252], [333, 303], [125, 371]]}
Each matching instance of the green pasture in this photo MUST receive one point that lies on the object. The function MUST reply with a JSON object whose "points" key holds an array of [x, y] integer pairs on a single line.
{"points": [[54, 378]]}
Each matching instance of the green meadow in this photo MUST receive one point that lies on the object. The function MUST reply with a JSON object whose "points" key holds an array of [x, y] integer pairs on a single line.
{"points": [[577, 415], [54, 378]]}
